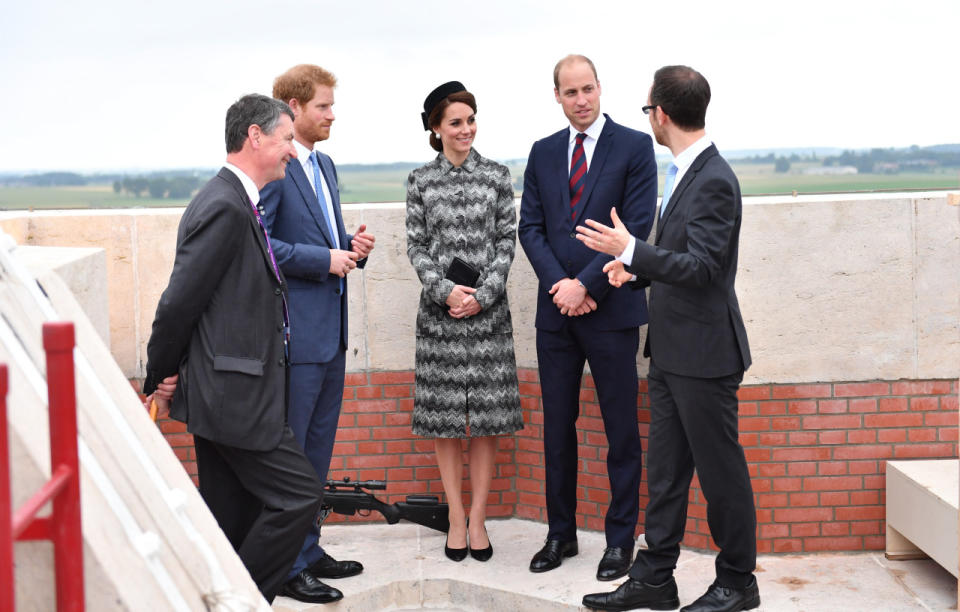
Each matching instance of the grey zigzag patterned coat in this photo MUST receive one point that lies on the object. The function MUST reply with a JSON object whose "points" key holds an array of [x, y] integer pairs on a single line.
{"points": [[466, 373], [466, 212]]}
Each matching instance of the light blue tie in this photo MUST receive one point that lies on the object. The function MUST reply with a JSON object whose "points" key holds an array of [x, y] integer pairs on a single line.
{"points": [[318, 185], [668, 186]]}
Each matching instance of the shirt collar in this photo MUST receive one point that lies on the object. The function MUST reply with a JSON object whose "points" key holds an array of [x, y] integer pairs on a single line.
{"points": [[303, 154], [248, 185], [593, 131], [686, 157]]}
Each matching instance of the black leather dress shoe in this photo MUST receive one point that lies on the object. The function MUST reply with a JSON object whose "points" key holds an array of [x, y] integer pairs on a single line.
{"points": [[304, 587], [552, 553], [634, 594], [328, 567], [615, 563], [719, 598]]}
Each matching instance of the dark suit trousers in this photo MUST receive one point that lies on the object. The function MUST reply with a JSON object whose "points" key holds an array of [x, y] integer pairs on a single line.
{"points": [[612, 356], [264, 501], [316, 393], [694, 424]]}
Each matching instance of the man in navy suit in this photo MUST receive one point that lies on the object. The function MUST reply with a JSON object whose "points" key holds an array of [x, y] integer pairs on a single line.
{"points": [[581, 172], [302, 213], [698, 351]]}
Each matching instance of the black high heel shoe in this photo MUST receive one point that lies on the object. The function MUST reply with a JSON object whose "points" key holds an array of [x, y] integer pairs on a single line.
{"points": [[482, 554], [454, 554]]}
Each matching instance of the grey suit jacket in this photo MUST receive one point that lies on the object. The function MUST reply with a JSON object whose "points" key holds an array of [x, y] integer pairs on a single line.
{"points": [[219, 323], [696, 328]]}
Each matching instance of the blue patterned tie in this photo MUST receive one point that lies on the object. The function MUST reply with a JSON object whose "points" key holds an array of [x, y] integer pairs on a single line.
{"points": [[668, 186], [318, 185]]}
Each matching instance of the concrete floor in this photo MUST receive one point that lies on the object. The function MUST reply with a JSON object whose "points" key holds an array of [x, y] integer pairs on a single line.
{"points": [[405, 569]]}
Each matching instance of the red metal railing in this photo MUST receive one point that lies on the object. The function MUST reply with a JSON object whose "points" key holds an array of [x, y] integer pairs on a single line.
{"points": [[63, 526]]}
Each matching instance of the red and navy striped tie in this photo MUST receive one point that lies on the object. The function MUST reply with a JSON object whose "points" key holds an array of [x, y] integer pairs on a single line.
{"points": [[578, 174]]}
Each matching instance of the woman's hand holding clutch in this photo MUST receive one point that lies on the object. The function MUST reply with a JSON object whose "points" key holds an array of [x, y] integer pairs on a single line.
{"points": [[462, 303]]}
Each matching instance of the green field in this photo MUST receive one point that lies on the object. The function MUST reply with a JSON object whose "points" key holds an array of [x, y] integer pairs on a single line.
{"points": [[390, 186]]}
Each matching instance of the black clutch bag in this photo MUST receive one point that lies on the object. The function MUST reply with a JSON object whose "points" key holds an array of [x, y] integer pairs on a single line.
{"points": [[462, 273]]}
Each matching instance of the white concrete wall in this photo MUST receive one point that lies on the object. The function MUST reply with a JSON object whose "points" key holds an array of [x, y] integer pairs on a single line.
{"points": [[833, 288]]}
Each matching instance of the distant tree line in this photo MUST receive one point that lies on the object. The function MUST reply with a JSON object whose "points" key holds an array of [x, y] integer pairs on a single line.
{"points": [[883, 161], [47, 179], [158, 187]]}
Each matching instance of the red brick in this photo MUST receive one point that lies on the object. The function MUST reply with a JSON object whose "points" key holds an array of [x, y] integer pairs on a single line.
{"points": [[392, 378], [833, 437], [803, 438], [801, 454], [773, 408], [369, 420], [772, 500], [746, 439], [757, 454], [353, 379], [866, 528], [771, 469], [863, 467], [874, 542], [367, 448], [754, 424], [802, 515], [924, 403], [939, 450], [835, 498], [802, 468], [527, 375], [800, 391], [373, 461], [861, 389], [925, 387], [863, 405], [775, 530], [179, 439], [950, 403], [835, 529], [801, 530], [760, 392], [788, 545], [863, 452], [804, 499], [942, 418], [892, 404], [397, 418], [845, 421], [748, 409], [861, 513], [862, 436], [802, 407], [168, 426], [832, 468], [355, 406], [772, 439], [922, 435], [787, 484], [948, 434], [874, 482], [832, 483], [784, 423], [892, 420], [891, 435], [368, 392], [832, 406]]}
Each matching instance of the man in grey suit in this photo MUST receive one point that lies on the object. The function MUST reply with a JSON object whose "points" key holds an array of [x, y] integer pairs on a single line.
{"points": [[218, 348], [698, 353], [302, 214]]}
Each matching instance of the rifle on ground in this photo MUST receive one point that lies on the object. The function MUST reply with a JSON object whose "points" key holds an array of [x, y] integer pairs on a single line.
{"points": [[349, 498]]}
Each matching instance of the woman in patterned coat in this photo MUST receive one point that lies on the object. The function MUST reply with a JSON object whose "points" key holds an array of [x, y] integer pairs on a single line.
{"points": [[461, 205]]}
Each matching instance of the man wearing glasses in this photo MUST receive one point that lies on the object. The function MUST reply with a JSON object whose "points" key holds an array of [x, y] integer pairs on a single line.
{"points": [[698, 353]]}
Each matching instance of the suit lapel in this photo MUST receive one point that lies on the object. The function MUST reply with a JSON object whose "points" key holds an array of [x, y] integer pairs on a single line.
{"points": [[258, 231], [600, 151], [562, 171], [310, 197], [676, 198]]}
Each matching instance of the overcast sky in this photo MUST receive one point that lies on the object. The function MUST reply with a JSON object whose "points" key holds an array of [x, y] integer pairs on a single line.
{"points": [[128, 84]]}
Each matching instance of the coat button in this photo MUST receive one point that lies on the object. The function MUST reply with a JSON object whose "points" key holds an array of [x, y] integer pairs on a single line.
{"points": [[277, 291], [280, 362], [337, 291], [573, 235]]}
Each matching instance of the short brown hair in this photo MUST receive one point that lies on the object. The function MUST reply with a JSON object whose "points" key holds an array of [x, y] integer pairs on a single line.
{"points": [[569, 60], [683, 94], [300, 83], [436, 115]]}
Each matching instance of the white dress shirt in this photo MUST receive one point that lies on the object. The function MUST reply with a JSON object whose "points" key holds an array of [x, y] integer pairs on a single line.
{"points": [[303, 156], [589, 143], [248, 185], [683, 163]]}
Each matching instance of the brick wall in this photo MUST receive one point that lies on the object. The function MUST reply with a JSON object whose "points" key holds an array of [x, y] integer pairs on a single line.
{"points": [[816, 453]]}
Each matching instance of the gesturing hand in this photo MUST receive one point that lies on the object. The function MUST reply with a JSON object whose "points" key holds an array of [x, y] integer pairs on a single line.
{"points": [[362, 242], [616, 273], [609, 240]]}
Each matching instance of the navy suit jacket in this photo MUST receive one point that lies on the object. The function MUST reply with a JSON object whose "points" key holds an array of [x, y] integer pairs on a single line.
{"points": [[622, 174], [301, 242]]}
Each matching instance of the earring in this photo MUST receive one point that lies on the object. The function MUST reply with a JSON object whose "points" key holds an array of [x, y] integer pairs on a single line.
{"points": [[437, 134]]}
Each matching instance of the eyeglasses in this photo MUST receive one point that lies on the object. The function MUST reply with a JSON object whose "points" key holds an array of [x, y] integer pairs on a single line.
{"points": [[646, 109]]}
